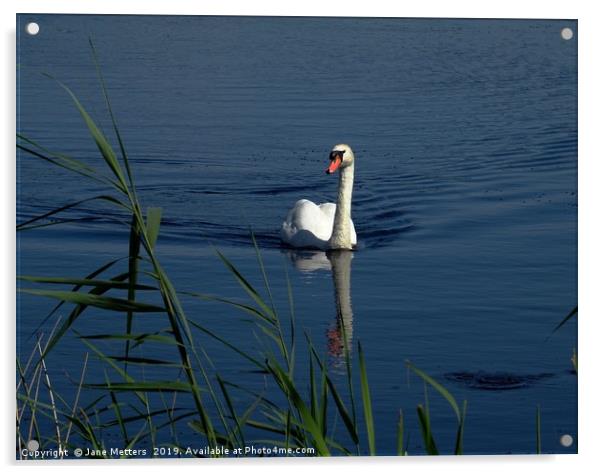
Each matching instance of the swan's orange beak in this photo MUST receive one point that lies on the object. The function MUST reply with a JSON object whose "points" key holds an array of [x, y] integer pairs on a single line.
{"points": [[334, 164], [336, 158]]}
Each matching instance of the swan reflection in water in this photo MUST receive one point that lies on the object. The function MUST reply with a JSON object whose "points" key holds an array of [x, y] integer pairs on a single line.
{"points": [[338, 262]]}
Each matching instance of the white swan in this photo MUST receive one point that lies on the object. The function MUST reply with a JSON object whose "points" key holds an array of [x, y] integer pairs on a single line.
{"points": [[325, 226]]}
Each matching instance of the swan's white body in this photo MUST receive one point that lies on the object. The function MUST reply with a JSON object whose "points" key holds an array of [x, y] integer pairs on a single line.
{"points": [[309, 225], [328, 225]]}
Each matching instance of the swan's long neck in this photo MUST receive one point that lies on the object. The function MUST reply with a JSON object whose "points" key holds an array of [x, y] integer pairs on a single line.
{"points": [[341, 229]]}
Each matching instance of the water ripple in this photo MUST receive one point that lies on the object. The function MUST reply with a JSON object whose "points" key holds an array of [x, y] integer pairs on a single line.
{"points": [[496, 380]]}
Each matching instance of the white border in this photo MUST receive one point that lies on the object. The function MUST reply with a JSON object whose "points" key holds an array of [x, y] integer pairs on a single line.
{"points": [[590, 129]]}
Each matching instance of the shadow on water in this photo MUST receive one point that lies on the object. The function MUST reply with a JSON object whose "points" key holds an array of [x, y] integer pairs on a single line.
{"points": [[481, 380], [340, 334]]}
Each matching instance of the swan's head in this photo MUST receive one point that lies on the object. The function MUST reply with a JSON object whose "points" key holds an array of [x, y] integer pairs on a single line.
{"points": [[341, 156]]}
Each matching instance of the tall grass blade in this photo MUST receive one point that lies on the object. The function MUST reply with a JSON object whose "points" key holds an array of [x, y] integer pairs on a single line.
{"points": [[51, 396], [28, 224], [229, 345], [153, 223], [134, 253], [243, 307], [90, 276], [263, 272], [101, 142], [102, 302], [149, 386], [117, 411], [348, 371], [238, 434], [291, 305], [437, 386], [425, 427], [252, 292], [113, 119], [567, 318], [323, 412], [459, 449], [313, 394], [538, 430], [81, 282], [77, 395], [400, 449], [137, 338], [367, 402], [77, 164], [349, 423], [67, 163], [76, 312], [145, 361], [308, 421]]}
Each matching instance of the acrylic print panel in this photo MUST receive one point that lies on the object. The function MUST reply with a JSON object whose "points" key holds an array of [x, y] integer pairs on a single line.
{"points": [[183, 291]]}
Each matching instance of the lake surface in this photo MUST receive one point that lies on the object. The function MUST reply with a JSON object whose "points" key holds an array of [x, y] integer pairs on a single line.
{"points": [[465, 198]]}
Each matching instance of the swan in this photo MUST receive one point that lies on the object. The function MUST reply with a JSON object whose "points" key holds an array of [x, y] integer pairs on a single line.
{"points": [[325, 226]]}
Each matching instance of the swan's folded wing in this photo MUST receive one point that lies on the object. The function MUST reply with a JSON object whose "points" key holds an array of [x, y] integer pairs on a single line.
{"points": [[328, 209], [307, 219]]}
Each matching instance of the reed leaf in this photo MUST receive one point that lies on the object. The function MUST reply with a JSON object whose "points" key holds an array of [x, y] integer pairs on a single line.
{"points": [[147, 386], [292, 394], [218, 437], [133, 257], [313, 395], [144, 361], [90, 276], [81, 282], [76, 163], [323, 411], [538, 430], [437, 386], [261, 425], [77, 311], [241, 306], [400, 428], [349, 423], [142, 416], [567, 318], [459, 449], [112, 116], [70, 164], [251, 291], [101, 142], [367, 402], [138, 338], [238, 432], [230, 346], [153, 223], [27, 224], [140, 395], [117, 410], [86, 430], [102, 302], [425, 427]]}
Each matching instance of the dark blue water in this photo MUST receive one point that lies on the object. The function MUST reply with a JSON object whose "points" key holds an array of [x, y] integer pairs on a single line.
{"points": [[465, 198]]}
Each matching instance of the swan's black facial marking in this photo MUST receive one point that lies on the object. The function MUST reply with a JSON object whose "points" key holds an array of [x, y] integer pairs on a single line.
{"points": [[334, 154], [336, 159]]}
